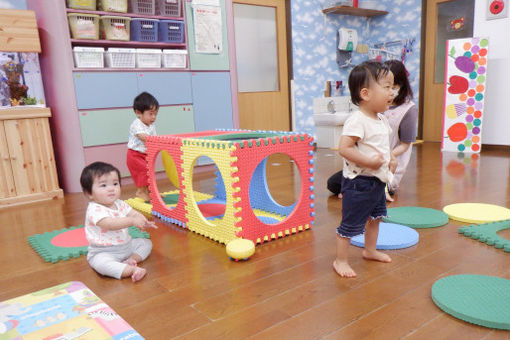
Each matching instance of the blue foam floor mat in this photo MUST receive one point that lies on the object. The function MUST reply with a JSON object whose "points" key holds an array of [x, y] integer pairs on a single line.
{"points": [[391, 236]]}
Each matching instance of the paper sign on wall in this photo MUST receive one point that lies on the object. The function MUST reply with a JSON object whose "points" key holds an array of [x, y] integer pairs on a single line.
{"points": [[465, 82], [208, 29]]}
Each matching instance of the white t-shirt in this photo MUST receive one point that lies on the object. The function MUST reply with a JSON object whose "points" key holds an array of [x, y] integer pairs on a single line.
{"points": [[138, 127], [101, 237], [374, 136]]}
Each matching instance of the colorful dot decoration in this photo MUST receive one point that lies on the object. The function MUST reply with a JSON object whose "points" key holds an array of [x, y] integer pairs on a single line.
{"points": [[476, 50]]}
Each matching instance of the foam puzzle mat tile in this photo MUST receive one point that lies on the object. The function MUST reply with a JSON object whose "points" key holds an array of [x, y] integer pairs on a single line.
{"points": [[478, 299]]}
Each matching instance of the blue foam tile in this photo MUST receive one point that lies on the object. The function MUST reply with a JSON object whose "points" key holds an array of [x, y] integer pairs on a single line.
{"points": [[391, 236]]}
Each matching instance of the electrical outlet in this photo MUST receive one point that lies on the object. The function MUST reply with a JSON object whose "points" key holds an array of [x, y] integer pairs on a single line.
{"points": [[497, 9]]}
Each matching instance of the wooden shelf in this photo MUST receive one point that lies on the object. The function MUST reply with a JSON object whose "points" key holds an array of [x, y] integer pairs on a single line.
{"points": [[131, 15], [20, 112], [360, 12], [131, 44]]}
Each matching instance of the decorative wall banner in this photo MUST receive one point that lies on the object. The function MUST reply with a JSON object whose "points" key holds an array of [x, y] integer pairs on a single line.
{"points": [[465, 82]]}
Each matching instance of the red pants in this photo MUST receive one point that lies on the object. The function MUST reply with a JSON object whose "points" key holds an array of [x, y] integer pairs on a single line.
{"points": [[137, 166]]}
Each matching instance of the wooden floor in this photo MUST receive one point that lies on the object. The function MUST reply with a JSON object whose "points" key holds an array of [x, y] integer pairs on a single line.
{"points": [[288, 289]]}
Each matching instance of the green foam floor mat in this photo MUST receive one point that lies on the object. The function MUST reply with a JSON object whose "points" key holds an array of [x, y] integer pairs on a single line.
{"points": [[67, 243], [478, 299], [488, 233], [416, 217]]}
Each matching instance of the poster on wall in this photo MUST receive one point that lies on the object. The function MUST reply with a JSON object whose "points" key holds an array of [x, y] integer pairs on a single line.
{"points": [[20, 80], [465, 82], [208, 29]]}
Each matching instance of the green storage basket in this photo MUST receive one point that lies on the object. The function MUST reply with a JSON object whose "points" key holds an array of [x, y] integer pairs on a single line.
{"points": [[82, 4], [84, 26], [119, 6]]}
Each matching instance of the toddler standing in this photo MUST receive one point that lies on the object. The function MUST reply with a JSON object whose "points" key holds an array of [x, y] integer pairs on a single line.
{"points": [[365, 147], [146, 109], [112, 251]]}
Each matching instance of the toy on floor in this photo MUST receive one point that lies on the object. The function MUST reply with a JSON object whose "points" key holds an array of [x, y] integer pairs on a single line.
{"points": [[66, 243], [67, 311], [391, 236], [240, 249], [416, 217], [488, 233], [242, 206], [477, 212], [479, 299]]}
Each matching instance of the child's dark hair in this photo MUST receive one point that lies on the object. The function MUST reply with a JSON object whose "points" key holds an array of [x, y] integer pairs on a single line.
{"points": [[400, 78], [94, 170], [362, 74], [145, 101]]}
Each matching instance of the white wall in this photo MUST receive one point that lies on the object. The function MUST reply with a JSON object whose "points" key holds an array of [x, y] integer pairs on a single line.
{"points": [[496, 116]]}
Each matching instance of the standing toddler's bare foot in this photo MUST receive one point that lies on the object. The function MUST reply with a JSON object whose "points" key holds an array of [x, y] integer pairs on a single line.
{"points": [[343, 269], [138, 274], [143, 195], [376, 256]]}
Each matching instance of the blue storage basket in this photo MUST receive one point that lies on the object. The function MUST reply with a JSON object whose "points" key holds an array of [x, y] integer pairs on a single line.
{"points": [[144, 29], [171, 31]]}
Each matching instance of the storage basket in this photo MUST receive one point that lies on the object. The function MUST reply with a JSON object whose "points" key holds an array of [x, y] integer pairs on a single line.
{"points": [[174, 58], [146, 7], [148, 57], [171, 31], [88, 57], [168, 8], [113, 6], [84, 26], [82, 4], [144, 29], [120, 57], [115, 28]]}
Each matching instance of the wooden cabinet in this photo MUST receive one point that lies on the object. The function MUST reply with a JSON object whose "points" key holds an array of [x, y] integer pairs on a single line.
{"points": [[27, 171]]}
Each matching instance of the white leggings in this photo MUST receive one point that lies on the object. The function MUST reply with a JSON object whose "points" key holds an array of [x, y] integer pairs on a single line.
{"points": [[108, 260]]}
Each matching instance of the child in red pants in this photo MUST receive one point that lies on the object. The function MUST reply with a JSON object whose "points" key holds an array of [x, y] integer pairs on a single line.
{"points": [[146, 109]]}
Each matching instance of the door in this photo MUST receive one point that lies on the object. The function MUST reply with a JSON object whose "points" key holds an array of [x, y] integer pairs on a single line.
{"points": [[445, 20], [261, 56]]}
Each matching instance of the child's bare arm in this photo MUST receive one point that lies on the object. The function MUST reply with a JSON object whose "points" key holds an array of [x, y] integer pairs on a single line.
{"points": [[393, 163], [142, 137], [146, 223], [117, 223], [347, 149], [400, 149]]}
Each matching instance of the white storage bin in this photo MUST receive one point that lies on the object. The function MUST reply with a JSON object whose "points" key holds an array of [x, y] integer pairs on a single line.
{"points": [[120, 57], [88, 57], [148, 58], [174, 58]]}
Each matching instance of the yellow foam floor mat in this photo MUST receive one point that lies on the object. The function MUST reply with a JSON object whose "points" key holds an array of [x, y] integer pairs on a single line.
{"points": [[477, 212]]}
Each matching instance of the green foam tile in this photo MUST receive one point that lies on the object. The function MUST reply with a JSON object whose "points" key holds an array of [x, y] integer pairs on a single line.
{"points": [[478, 299], [416, 217], [41, 243], [488, 233]]}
